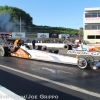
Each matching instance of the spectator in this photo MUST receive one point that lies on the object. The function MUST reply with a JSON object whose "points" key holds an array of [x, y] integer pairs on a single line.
{"points": [[33, 43]]}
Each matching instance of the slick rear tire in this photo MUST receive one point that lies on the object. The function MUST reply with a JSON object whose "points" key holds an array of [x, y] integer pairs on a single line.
{"points": [[3, 51], [82, 63], [68, 47]]}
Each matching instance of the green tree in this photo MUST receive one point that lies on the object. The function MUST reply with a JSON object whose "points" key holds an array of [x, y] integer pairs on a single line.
{"points": [[81, 30]]}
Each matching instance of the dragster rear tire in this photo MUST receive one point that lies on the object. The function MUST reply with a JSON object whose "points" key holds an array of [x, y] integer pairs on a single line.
{"points": [[68, 47], [82, 63], [4, 51]]}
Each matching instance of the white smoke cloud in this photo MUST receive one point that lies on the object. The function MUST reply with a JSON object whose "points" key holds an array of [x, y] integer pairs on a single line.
{"points": [[8, 25], [4, 18]]}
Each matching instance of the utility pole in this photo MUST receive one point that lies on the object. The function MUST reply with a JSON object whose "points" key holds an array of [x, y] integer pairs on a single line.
{"points": [[20, 24]]}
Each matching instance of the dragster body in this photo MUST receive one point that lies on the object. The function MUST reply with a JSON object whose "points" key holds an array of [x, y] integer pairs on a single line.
{"points": [[24, 52]]}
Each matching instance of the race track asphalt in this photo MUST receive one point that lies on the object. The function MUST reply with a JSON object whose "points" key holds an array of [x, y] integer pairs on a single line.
{"points": [[27, 77]]}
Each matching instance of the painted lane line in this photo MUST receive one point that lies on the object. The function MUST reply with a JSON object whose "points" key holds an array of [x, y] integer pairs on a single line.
{"points": [[54, 82]]}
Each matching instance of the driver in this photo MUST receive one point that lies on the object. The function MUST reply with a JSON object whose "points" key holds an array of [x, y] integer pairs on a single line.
{"points": [[16, 42]]}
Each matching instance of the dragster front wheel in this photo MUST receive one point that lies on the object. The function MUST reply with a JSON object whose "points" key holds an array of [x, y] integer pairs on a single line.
{"points": [[82, 63], [90, 59]]}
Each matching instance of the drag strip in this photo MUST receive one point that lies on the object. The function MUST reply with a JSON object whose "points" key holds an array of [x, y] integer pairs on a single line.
{"points": [[55, 76]]}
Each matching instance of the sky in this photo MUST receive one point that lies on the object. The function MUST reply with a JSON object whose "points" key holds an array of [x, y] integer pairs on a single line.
{"points": [[55, 13]]}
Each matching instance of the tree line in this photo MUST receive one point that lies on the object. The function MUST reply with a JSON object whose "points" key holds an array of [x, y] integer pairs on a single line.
{"points": [[17, 13]]}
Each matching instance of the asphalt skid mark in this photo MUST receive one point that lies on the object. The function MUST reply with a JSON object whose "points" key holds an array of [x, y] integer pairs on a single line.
{"points": [[49, 69], [66, 72], [51, 72], [56, 71]]}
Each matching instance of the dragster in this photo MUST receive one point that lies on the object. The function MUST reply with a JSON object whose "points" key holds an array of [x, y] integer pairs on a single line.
{"points": [[24, 51]]}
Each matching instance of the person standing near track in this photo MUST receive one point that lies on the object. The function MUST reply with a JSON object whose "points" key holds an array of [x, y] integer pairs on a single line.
{"points": [[33, 43]]}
